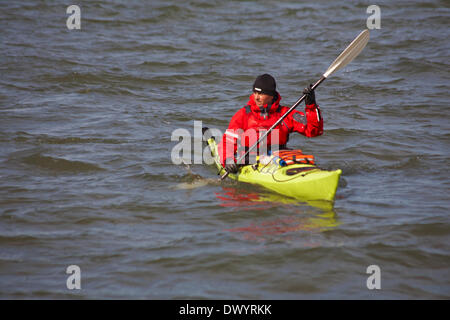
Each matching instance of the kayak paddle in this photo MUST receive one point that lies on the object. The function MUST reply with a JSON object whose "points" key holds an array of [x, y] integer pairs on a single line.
{"points": [[350, 53]]}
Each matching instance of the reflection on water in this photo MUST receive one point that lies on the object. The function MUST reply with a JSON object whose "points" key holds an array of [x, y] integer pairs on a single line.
{"points": [[233, 197], [295, 217]]}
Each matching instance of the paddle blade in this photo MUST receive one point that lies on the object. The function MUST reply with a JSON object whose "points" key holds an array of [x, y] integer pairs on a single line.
{"points": [[349, 53]]}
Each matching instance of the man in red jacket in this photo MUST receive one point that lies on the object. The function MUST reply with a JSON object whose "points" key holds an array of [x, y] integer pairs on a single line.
{"points": [[261, 112]]}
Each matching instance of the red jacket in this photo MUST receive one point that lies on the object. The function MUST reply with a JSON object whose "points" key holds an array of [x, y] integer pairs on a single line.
{"points": [[246, 125]]}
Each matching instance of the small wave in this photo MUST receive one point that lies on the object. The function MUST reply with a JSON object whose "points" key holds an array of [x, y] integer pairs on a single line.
{"points": [[55, 164], [262, 39], [174, 11], [192, 185], [414, 162], [169, 47], [403, 65], [192, 180], [154, 176], [45, 139], [160, 64], [344, 132], [354, 167]]}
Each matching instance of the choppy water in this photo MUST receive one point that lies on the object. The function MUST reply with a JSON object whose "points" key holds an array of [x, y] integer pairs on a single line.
{"points": [[86, 178]]}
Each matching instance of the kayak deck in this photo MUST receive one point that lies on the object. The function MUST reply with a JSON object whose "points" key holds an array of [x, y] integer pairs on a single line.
{"points": [[300, 181]]}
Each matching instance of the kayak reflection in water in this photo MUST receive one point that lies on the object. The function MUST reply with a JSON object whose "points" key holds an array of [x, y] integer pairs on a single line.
{"points": [[305, 219], [261, 112]]}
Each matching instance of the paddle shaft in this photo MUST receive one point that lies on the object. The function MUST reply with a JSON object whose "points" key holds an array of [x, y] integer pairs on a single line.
{"points": [[275, 124]]}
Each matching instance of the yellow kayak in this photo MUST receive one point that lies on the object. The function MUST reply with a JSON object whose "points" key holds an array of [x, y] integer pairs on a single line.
{"points": [[301, 181]]}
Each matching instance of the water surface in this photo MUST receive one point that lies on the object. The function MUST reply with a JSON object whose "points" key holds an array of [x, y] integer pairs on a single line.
{"points": [[86, 177]]}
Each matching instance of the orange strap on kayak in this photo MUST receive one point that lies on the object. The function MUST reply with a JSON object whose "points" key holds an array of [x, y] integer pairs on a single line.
{"points": [[294, 156]]}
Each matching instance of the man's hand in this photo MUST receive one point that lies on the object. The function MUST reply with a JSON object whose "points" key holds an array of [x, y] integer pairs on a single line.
{"points": [[231, 167], [310, 96]]}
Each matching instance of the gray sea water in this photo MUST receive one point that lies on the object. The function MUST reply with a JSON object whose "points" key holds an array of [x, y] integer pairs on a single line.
{"points": [[86, 177]]}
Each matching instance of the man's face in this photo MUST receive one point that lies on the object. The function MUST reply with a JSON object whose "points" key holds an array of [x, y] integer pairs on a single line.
{"points": [[262, 99]]}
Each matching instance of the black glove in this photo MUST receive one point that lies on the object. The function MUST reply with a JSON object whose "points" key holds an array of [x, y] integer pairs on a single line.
{"points": [[231, 167], [310, 96]]}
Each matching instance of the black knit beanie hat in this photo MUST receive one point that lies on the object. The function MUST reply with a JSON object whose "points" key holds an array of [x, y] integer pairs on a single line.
{"points": [[265, 83]]}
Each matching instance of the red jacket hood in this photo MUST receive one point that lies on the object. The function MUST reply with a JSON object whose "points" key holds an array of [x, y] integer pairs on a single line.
{"points": [[255, 108]]}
